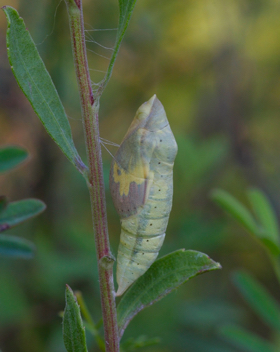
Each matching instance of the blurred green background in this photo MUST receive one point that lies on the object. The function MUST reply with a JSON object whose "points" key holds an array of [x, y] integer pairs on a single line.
{"points": [[215, 66]]}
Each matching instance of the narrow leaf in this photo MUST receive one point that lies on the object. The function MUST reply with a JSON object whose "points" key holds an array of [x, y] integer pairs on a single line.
{"points": [[35, 82], [73, 330], [126, 8], [15, 247], [11, 157], [89, 322], [17, 212], [165, 275], [236, 209], [259, 299], [265, 214], [272, 247], [245, 340], [3, 203]]}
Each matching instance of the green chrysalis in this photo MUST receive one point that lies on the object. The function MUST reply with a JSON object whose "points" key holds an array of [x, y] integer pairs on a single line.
{"points": [[141, 183]]}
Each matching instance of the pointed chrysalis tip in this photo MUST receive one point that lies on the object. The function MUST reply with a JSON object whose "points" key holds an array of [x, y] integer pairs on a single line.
{"points": [[120, 291], [152, 99], [122, 287], [145, 109]]}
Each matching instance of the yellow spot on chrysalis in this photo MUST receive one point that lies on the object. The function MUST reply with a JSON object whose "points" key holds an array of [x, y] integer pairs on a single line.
{"points": [[125, 179]]}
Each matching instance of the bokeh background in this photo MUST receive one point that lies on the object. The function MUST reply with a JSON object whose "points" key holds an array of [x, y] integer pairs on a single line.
{"points": [[215, 65]]}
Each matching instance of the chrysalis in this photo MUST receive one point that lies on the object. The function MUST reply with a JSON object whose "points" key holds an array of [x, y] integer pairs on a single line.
{"points": [[141, 183]]}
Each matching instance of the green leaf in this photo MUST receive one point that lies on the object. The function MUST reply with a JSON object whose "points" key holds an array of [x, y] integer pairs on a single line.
{"points": [[35, 82], [236, 209], [12, 246], [11, 157], [132, 344], [73, 330], [164, 275], [126, 8], [17, 212], [245, 340], [259, 299], [272, 247], [265, 214], [3, 203], [268, 229]]}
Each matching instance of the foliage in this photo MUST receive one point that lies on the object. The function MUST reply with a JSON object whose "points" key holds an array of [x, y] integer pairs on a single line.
{"points": [[170, 271], [14, 213], [216, 72], [35, 82], [73, 329], [165, 275], [11, 157], [266, 229]]}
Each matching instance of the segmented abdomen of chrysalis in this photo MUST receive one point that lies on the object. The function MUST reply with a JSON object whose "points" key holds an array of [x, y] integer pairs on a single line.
{"points": [[141, 183]]}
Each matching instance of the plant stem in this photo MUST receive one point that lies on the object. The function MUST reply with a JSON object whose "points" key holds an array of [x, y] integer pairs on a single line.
{"points": [[90, 107]]}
